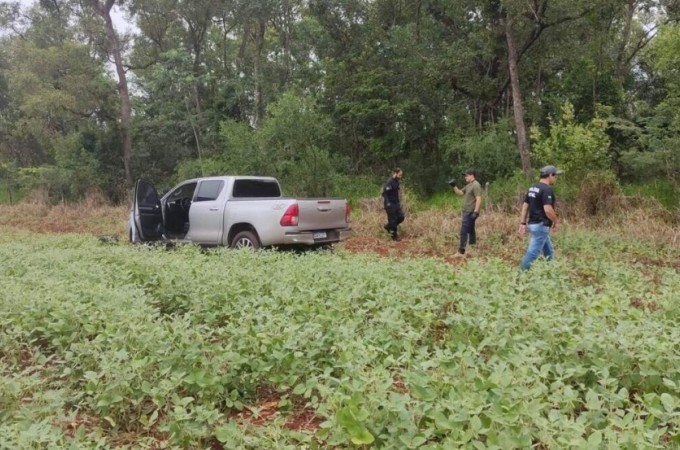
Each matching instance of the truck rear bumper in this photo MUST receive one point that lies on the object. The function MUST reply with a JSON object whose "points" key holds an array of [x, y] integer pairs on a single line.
{"points": [[307, 237]]}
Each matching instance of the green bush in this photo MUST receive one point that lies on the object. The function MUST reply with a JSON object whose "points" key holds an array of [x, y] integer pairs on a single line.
{"points": [[507, 194], [443, 201], [595, 192], [356, 187], [291, 145], [642, 165], [575, 148], [493, 153], [9, 183], [71, 179], [661, 189]]}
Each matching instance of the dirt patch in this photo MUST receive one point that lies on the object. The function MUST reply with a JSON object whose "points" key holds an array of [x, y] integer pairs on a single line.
{"points": [[81, 421], [654, 262], [301, 418], [408, 247], [305, 419], [260, 414], [644, 304], [399, 385]]}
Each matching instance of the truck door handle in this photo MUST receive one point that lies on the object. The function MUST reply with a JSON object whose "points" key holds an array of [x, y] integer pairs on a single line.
{"points": [[320, 209], [214, 209]]}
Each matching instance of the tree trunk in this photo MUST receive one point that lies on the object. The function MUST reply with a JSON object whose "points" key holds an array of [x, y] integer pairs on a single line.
{"points": [[419, 7], [259, 79], [627, 30], [286, 31], [197, 34], [125, 105], [518, 108], [241, 66]]}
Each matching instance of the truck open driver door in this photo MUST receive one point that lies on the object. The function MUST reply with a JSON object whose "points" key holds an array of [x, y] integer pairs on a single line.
{"points": [[147, 212]]}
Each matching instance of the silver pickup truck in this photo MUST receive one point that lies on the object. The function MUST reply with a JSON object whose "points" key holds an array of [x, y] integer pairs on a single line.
{"points": [[237, 212]]}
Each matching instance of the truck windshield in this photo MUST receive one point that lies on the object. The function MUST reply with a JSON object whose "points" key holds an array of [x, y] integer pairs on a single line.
{"points": [[256, 188]]}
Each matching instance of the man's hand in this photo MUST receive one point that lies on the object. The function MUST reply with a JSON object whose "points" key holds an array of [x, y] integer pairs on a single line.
{"points": [[555, 227], [475, 214], [522, 229]]}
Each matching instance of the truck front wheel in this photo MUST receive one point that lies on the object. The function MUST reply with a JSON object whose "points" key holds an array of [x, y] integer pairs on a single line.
{"points": [[245, 239]]}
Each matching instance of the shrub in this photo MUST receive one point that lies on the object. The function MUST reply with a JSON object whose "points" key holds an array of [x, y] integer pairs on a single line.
{"points": [[291, 145], [576, 148], [507, 194], [597, 192], [661, 189], [493, 153]]}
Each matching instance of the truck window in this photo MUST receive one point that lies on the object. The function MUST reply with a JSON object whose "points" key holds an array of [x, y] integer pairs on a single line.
{"points": [[209, 190], [256, 188], [146, 195], [184, 191]]}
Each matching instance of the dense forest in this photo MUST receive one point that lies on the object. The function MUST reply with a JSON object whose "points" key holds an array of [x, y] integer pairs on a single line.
{"points": [[328, 95]]}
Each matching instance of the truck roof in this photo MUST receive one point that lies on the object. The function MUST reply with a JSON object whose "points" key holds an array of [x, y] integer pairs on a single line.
{"points": [[232, 177]]}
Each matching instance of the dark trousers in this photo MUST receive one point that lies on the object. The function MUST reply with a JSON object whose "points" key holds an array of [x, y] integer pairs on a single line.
{"points": [[395, 216], [467, 231]]}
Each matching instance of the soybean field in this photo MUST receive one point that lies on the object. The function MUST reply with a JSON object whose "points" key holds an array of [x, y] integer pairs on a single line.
{"points": [[107, 345]]}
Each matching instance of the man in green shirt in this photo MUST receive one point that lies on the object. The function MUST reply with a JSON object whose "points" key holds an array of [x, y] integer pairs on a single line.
{"points": [[472, 203]]}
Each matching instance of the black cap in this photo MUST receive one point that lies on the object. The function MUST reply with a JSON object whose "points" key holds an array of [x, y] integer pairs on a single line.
{"points": [[471, 172], [549, 170]]}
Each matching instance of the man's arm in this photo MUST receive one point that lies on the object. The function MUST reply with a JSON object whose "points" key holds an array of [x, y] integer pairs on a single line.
{"points": [[552, 215], [523, 219], [389, 186], [458, 191], [478, 204]]}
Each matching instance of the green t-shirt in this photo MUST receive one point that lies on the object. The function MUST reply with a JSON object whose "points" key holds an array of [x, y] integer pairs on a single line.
{"points": [[472, 191]]}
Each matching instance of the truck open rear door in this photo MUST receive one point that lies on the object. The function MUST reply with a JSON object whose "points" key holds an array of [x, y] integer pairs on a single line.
{"points": [[147, 211]]}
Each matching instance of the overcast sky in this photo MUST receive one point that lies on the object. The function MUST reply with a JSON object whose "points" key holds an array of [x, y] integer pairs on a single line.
{"points": [[119, 21]]}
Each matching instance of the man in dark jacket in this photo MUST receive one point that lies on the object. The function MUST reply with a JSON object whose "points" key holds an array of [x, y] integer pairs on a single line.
{"points": [[539, 217], [392, 203]]}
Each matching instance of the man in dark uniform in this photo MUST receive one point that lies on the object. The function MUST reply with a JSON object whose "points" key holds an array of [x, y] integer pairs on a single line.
{"points": [[392, 203], [539, 217]]}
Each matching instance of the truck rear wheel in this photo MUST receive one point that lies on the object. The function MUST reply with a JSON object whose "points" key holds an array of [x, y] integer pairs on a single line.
{"points": [[245, 239]]}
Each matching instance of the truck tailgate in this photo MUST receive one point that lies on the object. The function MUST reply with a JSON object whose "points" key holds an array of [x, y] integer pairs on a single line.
{"points": [[322, 214]]}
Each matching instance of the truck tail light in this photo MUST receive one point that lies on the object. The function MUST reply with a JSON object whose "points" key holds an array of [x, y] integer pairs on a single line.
{"points": [[348, 210], [291, 217]]}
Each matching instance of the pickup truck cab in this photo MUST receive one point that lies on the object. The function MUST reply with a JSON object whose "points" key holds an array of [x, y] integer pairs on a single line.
{"points": [[235, 211]]}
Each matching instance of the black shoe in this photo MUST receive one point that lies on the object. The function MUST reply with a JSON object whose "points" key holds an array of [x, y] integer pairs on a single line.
{"points": [[396, 238]]}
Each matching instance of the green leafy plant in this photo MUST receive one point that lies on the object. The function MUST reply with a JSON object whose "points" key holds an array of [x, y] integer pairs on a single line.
{"points": [[188, 348], [575, 148]]}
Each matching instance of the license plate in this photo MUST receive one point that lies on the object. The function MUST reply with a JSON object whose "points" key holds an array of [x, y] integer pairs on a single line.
{"points": [[319, 235]]}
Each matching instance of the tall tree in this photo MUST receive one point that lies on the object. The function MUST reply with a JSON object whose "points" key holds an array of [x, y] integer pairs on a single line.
{"points": [[103, 9], [537, 19], [517, 102]]}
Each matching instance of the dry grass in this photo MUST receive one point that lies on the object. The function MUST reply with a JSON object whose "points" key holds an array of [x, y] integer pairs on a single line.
{"points": [[429, 232], [435, 232], [651, 224], [93, 216]]}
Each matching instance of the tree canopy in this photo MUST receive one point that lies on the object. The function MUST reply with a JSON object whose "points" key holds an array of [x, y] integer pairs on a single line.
{"points": [[321, 93]]}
